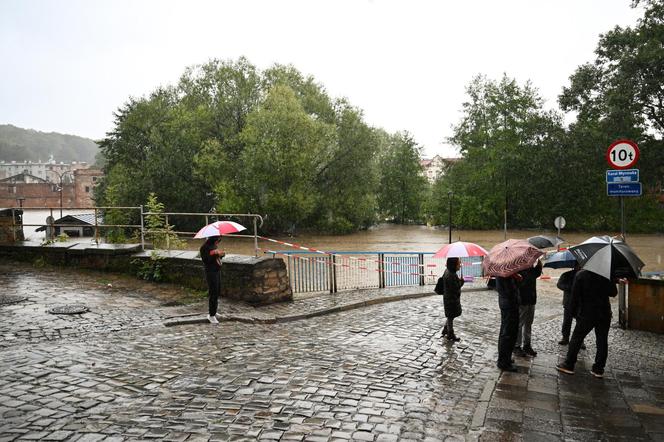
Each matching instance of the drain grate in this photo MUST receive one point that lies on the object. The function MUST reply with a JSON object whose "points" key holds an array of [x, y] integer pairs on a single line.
{"points": [[11, 299], [71, 309]]}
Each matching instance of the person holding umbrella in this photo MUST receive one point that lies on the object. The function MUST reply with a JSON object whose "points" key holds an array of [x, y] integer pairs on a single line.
{"points": [[449, 285], [211, 257], [604, 262], [590, 298], [504, 261]]}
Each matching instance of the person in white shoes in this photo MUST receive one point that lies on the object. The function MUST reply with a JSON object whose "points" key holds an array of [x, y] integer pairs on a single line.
{"points": [[211, 257]]}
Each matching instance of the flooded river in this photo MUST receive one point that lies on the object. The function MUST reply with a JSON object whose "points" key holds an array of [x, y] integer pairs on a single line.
{"points": [[395, 238]]}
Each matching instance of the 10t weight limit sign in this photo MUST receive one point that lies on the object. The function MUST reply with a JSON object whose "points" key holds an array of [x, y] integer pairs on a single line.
{"points": [[622, 154]]}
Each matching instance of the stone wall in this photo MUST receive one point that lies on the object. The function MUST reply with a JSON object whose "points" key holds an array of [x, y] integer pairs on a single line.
{"points": [[261, 280], [10, 230]]}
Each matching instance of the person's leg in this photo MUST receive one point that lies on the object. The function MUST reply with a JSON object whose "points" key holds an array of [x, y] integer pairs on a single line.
{"points": [[567, 326], [519, 332], [213, 281], [581, 329], [528, 317], [450, 328], [509, 324], [602, 342]]}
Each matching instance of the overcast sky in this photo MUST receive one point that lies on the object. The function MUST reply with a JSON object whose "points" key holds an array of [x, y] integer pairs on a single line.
{"points": [[67, 65]]}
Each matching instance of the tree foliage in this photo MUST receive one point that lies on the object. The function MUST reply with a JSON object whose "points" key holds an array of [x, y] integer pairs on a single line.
{"points": [[239, 140], [402, 188]]}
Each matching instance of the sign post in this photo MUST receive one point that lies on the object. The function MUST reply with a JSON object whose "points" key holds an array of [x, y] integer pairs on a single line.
{"points": [[622, 181], [559, 223]]}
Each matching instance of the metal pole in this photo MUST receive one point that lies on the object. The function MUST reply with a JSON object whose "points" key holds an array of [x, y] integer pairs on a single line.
{"points": [[142, 231], [449, 221], [168, 235], [622, 218], [60, 197], [255, 238], [14, 225], [96, 229]]}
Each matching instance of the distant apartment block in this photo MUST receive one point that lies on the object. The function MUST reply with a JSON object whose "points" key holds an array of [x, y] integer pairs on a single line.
{"points": [[436, 166], [50, 170]]}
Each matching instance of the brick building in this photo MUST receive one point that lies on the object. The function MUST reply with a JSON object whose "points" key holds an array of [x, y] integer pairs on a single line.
{"points": [[25, 190]]}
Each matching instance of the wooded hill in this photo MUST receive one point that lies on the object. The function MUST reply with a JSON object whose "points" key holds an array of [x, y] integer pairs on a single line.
{"points": [[17, 144]]}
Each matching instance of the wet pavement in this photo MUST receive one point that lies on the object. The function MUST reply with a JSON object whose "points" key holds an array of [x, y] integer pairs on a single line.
{"points": [[357, 368]]}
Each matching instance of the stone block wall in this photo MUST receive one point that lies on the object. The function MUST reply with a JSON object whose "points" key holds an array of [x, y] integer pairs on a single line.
{"points": [[258, 281]]}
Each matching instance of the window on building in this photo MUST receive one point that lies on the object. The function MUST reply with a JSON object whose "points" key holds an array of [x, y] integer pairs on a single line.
{"points": [[87, 189], [94, 179]]}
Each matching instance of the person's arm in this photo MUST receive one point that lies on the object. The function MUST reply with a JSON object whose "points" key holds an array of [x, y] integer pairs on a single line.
{"points": [[217, 252], [565, 281], [537, 272]]}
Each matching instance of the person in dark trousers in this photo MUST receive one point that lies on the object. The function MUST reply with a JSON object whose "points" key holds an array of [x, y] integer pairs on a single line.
{"points": [[508, 301], [527, 301], [565, 284], [211, 257], [449, 285], [590, 297]]}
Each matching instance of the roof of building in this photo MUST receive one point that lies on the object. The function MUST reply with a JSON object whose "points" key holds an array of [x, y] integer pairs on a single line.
{"points": [[20, 178], [81, 218]]}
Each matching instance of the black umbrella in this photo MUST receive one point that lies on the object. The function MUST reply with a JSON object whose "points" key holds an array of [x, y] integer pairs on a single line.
{"points": [[543, 241], [587, 248], [611, 260]]}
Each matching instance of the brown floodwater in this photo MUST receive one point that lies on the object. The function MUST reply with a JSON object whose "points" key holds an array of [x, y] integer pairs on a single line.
{"points": [[397, 238]]}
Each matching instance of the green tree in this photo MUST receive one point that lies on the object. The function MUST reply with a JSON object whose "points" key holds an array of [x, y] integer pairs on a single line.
{"points": [[284, 150], [506, 139], [620, 95], [347, 182], [402, 186]]}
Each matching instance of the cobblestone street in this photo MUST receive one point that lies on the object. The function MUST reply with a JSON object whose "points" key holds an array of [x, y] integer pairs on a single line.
{"points": [[376, 373]]}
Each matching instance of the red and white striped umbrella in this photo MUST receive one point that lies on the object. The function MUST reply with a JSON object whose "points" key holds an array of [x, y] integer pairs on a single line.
{"points": [[460, 249], [509, 257], [219, 228]]}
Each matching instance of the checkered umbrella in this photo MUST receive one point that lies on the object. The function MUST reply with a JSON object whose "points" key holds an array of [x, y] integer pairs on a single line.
{"points": [[509, 257]]}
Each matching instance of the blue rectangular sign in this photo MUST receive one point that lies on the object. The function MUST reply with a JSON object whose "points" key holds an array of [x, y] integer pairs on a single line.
{"points": [[623, 189], [622, 176]]}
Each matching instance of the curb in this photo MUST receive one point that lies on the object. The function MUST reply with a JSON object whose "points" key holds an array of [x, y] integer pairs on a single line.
{"points": [[186, 320]]}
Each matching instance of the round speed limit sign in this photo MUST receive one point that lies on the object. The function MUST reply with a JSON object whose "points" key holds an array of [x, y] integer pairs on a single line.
{"points": [[622, 154]]}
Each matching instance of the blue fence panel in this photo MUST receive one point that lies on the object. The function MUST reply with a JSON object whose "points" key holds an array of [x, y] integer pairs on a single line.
{"points": [[402, 270], [314, 272]]}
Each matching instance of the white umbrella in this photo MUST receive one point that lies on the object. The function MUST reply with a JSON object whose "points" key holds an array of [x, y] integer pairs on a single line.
{"points": [[219, 228]]}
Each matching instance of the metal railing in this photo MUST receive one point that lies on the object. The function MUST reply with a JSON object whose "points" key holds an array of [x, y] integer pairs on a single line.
{"points": [[338, 271], [98, 226]]}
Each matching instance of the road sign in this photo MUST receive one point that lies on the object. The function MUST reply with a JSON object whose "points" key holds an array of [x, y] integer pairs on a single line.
{"points": [[559, 223], [623, 189], [622, 176], [622, 154]]}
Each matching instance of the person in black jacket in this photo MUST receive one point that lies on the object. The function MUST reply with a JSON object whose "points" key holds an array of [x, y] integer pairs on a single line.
{"points": [[590, 298], [449, 285], [508, 301], [565, 284], [211, 257], [527, 301]]}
